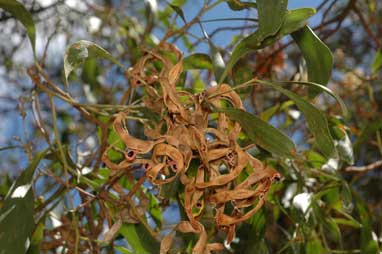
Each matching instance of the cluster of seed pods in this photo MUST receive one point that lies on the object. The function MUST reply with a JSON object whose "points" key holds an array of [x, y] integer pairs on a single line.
{"points": [[189, 130]]}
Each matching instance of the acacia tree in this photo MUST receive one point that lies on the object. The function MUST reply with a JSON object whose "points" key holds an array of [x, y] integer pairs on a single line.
{"points": [[140, 147]]}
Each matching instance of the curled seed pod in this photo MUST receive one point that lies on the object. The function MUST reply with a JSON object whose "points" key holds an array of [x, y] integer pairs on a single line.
{"points": [[130, 155], [189, 133]]}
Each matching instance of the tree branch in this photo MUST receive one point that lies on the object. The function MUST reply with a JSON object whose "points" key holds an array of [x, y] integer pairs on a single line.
{"points": [[366, 168]]}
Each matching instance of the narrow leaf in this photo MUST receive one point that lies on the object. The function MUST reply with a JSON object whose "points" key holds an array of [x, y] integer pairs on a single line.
{"points": [[217, 59], [80, 51], [178, 11], [197, 61], [262, 133], [316, 120], [20, 13], [294, 20], [16, 214], [271, 16], [139, 239], [368, 244], [320, 88], [319, 59], [237, 5], [377, 62], [370, 129]]}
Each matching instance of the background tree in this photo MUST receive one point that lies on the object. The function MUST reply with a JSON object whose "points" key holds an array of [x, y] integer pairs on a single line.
{"points": [[59, 99]]}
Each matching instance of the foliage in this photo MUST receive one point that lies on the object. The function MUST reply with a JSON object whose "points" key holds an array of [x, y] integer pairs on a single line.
{"points": [[154, 149]]}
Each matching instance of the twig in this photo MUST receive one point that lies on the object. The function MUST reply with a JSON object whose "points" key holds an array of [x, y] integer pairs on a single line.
{"points": [[366, 26], [366, 168]]}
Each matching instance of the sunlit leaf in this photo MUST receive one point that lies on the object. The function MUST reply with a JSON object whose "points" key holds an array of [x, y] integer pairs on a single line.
{"points": [[317, 55], [315, 119], [241, 73], [16, 214], [345, 149], [178, 11], [23, 15], [294, 20], [262, 133], [314, 246], [123, 250], [369, 130], [139, 239], [271, 16], [377, 62], [80, 51], [368, 244], [155, 209], [197, 61], [320, 88], [237, 5]]}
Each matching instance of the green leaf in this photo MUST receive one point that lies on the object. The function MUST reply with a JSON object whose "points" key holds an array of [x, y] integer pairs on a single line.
{"points": [[314, 246], [377, 62], [241, 73], [345, 149], [368, 244], [90, 72], [170, 190], [270, 112], [271, 16], [237, 5], [37, 238], [294, 20], [20, 13], [123, 250], [217, 59], [332, 231], [262, 133], [178, 11], [155, 209], [139, 239], [80, 51], [197, 61], [316, 120], [16, 214], [367, 131], [319, 59], [320, 88]]}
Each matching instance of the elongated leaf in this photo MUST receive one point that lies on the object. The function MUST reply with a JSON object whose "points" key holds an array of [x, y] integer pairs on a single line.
{"points": [[314, 246], [319, 59], [316, 120], [80, 51], [368, 244], [271, 16], [178, 11], [377, 62], [197, 61], [16, 215], [294, 20], [217, 59], [139, 239], [320, 88], [262, 133], [23, 15], [237, 5], [123, 250], [367, 131]]}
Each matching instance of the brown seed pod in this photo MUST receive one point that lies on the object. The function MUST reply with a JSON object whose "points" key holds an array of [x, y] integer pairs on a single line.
{"points": [[188, 131]]}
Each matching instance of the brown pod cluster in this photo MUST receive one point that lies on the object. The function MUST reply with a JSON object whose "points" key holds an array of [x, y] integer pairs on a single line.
{"points": [[188, 130]]}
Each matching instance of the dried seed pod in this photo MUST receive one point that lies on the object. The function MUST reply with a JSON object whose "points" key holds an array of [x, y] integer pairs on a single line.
{"points": [[188, 131]]}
